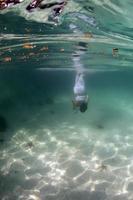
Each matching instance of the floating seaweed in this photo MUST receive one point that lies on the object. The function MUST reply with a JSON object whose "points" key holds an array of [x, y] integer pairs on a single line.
{"points": [[7, 59], [28, 46]]}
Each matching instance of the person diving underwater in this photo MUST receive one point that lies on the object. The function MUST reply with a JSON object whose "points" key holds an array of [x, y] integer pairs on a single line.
{"points": [[80, 100]]}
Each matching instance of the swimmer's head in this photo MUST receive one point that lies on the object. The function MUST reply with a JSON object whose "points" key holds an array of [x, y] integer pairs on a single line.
{"points": [[83, 107]]}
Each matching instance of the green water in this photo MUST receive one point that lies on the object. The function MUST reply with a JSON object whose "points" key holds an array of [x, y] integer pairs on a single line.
{"points": [[48, 151]]}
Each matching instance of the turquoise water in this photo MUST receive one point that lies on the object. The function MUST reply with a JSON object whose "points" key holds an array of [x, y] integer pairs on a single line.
{"points": [[48, 151]]}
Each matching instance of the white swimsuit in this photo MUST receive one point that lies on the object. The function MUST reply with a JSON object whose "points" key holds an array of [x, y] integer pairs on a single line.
{"points": [[79, 89]]}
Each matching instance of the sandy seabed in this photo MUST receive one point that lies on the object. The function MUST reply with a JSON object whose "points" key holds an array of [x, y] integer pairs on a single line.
{"points": [[69, 156]]}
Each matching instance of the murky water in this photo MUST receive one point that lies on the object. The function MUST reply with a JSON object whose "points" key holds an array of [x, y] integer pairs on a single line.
{"points": [[47, 150]]}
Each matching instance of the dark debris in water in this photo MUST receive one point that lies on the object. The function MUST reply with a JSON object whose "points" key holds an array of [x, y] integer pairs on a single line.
{"points": [[115, 51], [102, 167], [29, 145]]}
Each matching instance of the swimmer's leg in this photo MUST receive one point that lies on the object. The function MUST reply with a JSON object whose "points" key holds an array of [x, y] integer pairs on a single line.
{"points": [[79, 87]]}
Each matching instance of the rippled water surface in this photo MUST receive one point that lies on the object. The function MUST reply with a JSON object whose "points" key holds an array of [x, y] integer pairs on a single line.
{"points": [[48, 151]]}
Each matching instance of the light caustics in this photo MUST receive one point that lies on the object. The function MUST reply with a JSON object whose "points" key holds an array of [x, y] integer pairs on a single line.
{"points": [[46, 163]]}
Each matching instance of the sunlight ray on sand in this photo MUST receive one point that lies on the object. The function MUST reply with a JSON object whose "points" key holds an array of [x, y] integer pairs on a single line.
{"points": [[49, 162]]}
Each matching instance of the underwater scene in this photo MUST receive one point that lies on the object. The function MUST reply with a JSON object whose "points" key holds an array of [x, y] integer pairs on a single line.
{"points": [[66, 100]]}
